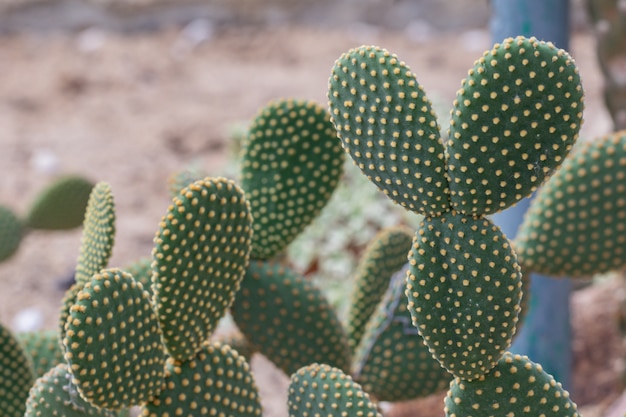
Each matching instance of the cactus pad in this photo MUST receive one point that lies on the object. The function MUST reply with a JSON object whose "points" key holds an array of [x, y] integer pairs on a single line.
{"points": [[576, 225], [514, 121], [464, 291], [43, 348], [16, 375], [178, 180], [392, 363], [10, 233], [54, 395], [387, 125], [321, 390], [141, 270], [291, 164], [216, 382], [287, 319], [61, 205], [200, 256], [385, 255], [98, 233], [515, 387], [112, 332]]}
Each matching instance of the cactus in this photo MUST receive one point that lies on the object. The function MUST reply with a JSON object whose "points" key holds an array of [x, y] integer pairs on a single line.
{"points": [[141, 270], [181, 179], [16, 375], [11, 232], [43, 349]]}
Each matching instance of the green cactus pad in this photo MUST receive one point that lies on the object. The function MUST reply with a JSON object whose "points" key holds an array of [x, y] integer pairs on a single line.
{"points": [[515, 387], [69, 298], [98, 233], [386, 124], [576, 225], [53, 395], [216, 382], [16, 375], [291, 164], [238, 342], [200, 256], [61, 205], [514, 120], [392, 363], [11, 232], [321, 390], [178, 180], [43, 348], [112, 333], [141, 270], [464, 291], [288, 319], [386, 254]]}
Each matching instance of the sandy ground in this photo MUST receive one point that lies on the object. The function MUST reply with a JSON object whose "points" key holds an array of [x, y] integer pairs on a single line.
{"points": [[132, 109]]}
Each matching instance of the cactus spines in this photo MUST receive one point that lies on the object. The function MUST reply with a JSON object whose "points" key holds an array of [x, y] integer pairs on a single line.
{"points": [[61, 205], [514, 120], [320, 389], [16, 375], [216, 382], [464, 290], [387, 125], [200, 256], [113, 332], [291, 164], [516, 386], [53, 395], [43, 348], [576, 226], [11, 232], [288, 320], [98, 233]]}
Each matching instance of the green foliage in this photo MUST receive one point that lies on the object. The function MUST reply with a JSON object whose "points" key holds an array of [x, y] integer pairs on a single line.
{"points": [[43, 348], [11, 232], [16, 375]]}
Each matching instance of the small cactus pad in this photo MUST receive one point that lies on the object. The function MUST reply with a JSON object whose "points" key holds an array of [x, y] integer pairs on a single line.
{"points": [[392, 363], [464, 290], [200, 257], [287, 319], [385, 255], [321, 390], [238, 342], [576, 225], [178, 180], [514, 120], [291, 164], [10, 233], [98, 233], [53, 395], [112, 332], [16, 375], [69, 298], [216, 382], [141, 270], [515, 387], [43, 348], [386, 124], [61, 205]]}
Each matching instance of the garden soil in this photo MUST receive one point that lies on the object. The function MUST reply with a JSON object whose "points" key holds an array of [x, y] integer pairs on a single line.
{"points": [[132, 109]]}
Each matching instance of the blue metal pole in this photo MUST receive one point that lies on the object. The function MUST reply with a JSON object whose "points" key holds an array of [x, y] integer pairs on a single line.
{"points": [[545, 336]]}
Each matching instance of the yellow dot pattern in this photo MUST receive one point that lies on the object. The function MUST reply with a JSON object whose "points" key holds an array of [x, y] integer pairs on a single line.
{"points": [[113, 342], [515, 387], [98, 233], [387, 125], [464, 292], [321, 390], [61, 205], [384, 255], [216, 382], [16, 375], [43, 348], [514, 120], [53, 395], [392, 363], [291, 164], [289, 320], [576, 225], [10, 233], [200, 255]]}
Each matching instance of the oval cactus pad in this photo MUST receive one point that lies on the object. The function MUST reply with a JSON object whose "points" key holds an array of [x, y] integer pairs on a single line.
{"points": [[514, 387], [386, 124], [200, 257], [464, 291], [514, 120], [16, 375], [291, 164], [11, 231], [113, 342]]}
